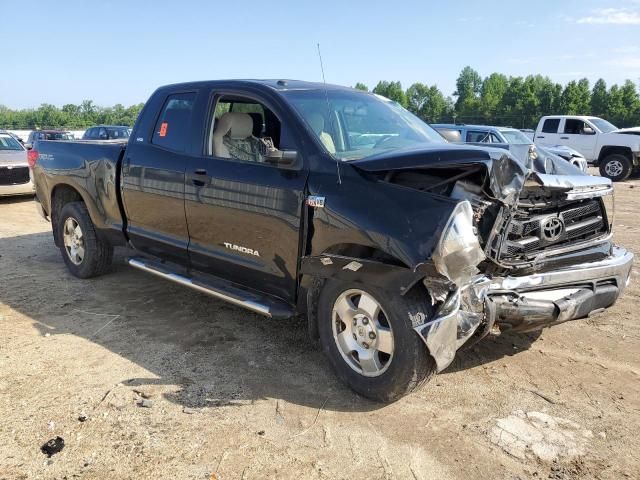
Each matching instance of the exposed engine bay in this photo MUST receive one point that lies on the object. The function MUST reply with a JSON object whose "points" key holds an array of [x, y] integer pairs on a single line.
{"points": [[521, 218]]}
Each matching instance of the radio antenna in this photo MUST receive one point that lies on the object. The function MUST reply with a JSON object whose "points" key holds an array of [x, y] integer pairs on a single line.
{"points": [[326, 96]]}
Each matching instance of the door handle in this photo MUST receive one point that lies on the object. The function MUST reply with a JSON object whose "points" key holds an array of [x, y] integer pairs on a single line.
{"points": [[195, 181], [564, 138], [540, 136]]}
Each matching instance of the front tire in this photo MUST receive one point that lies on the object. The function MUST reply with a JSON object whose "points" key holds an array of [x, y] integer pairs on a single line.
{"points": [[368, 337], [83, 252], [616, 167]]}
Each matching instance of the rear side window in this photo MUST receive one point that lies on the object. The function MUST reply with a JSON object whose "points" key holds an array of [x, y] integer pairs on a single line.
{"points": [[551, 125], [477, 136], [172, 128]]}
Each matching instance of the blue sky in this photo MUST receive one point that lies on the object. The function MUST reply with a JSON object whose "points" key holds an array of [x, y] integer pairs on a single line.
{"points": [[119, 52]]}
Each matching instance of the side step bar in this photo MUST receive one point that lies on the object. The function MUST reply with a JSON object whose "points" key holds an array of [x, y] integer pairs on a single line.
{"points": [[220, 289]]}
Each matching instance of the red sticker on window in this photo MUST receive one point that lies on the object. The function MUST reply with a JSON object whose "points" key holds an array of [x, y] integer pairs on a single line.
{"points": [[163, 129]]}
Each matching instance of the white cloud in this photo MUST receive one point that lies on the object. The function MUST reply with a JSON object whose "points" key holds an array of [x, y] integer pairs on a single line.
{"points": [[632, 63], [612, 16], [627, 49]]}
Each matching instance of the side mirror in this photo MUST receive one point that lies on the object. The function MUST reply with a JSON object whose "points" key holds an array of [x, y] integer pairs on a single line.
{"points": [[282, 158], [28, 146], [588, 131]]}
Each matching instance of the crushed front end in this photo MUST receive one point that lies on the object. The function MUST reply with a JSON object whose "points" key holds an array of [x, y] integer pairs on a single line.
{"points": [[524, 250]]}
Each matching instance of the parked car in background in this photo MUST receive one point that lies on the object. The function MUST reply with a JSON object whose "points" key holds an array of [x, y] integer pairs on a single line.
{"points": [[107, 132], [505, 137], [48, 135], [15, 176], [615, 151], [399, 247]]}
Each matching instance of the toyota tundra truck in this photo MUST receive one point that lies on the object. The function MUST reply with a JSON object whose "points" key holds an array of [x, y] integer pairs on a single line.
{"points": [[291, 198], [615, 151]]}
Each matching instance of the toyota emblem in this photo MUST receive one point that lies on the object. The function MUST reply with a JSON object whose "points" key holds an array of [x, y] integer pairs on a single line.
{"points": [[552, 229]]}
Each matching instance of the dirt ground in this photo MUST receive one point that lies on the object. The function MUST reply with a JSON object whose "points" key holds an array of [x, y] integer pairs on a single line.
{"points": [[230, 395]]}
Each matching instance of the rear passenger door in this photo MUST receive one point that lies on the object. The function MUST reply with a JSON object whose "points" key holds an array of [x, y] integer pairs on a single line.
{"points": [[548, 135], [153, 179]]}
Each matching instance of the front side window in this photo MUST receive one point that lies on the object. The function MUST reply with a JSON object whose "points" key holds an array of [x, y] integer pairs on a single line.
{"points": [[573, 126], [243, 129], [352, 125], [551, 125], [172, 127]]}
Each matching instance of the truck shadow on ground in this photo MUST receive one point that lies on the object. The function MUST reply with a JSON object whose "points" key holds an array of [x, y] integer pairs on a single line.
{"points": [[213, 353]]}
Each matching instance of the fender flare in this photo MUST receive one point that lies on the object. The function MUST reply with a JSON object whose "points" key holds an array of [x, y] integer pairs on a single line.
{"points": [[317, 269]]}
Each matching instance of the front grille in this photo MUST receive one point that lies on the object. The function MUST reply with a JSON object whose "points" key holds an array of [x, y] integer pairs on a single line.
{"points": [[533, 230], [14, 176]]}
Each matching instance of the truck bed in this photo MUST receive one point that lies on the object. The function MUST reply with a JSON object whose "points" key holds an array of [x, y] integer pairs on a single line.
{"points": [[90, 167]]}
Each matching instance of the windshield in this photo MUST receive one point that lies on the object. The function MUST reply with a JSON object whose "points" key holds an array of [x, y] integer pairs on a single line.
{"points": [[7, 142], [603, 125], [119, 132], [515, 137], [352, 125]]}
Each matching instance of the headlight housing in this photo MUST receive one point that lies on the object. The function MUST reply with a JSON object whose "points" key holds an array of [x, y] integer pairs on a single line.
{"points": [[458, 251], [609, 206]]}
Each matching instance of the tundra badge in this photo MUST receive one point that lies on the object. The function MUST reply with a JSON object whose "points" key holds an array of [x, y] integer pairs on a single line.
{"points": [[238, 248]]}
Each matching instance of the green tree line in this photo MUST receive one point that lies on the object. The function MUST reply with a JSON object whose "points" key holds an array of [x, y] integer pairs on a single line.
{"points": [[70, 116], [515, 101], [496, 100]]}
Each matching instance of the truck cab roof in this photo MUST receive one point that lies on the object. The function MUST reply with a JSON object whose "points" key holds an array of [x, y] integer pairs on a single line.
{"points": [[274, 84]]}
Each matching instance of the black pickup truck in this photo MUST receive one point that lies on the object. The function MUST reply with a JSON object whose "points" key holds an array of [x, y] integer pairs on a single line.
{"points": [[288, 197]]}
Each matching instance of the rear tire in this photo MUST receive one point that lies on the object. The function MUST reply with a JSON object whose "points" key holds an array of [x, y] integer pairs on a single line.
{"points": [[616, 167], [83, 252], [401, 362]]}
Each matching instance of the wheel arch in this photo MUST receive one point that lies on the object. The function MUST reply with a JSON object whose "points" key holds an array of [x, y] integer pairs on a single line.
{"points": [[614, 149], [354, 263], [61, 194]]}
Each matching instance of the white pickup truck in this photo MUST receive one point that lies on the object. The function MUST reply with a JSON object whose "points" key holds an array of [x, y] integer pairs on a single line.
{"points": [[616, 151]]}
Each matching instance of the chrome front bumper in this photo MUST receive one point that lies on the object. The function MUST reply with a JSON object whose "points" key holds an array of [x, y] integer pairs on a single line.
{"points": [[525, 303]]}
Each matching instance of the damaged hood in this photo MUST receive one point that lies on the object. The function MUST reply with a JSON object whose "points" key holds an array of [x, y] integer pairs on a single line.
{"points": [[562, 151], [507, 174], [628, 131]]}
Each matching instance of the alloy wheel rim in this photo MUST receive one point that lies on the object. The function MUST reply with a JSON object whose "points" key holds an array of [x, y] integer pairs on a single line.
{"points": [[362, 333], [73, 240], [613, 168]]}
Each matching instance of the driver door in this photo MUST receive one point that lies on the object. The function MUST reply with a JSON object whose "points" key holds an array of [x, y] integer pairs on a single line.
{"points": [[244, 216], [575, 135]]}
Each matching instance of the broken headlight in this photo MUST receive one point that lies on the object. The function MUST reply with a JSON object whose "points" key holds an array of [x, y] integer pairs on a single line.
{"points": [[609, 207], [458, 251]]}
